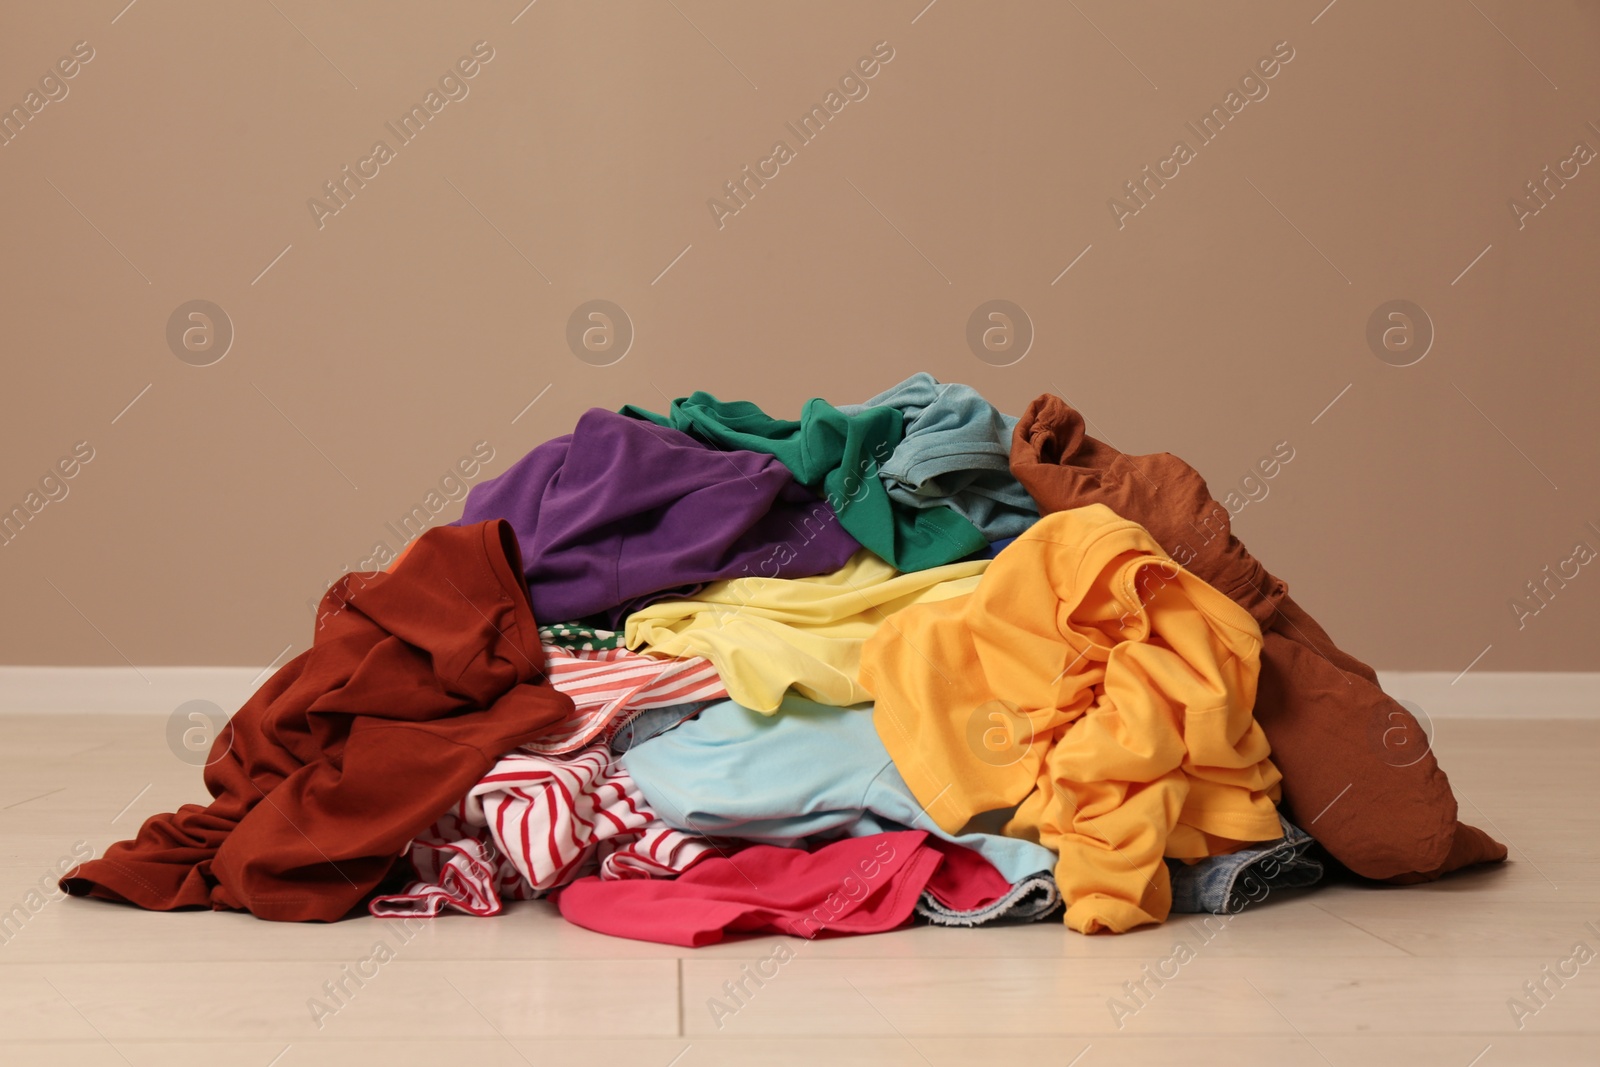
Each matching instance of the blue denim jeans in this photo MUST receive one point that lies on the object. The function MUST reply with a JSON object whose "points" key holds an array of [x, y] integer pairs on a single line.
{"points": [[1223, 885]]}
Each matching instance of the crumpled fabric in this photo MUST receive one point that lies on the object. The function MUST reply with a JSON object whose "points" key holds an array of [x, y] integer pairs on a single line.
{"points": [[809, 772], [1102, 690], [956, 452], [856, 885], [1227, 884], [653, 722], [579, 637], [839, 456], [1358, 772], [416, 682], [1030, 900], [769, 635], [533, 824], [611, 686], [621, 511]]}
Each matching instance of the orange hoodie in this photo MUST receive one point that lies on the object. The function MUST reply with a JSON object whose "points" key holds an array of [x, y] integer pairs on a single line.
{"points": [[1100, 688]]}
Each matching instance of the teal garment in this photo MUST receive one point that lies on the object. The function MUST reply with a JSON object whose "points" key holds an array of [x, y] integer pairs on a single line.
{"points": [[809, 773], [957, 452], [839, 456]]}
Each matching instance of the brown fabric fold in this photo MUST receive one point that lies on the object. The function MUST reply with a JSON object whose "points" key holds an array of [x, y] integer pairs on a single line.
{"points": [[1358, 775]]}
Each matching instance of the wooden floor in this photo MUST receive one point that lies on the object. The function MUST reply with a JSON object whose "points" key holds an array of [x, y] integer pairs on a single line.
{"points": [[1342, 975]]}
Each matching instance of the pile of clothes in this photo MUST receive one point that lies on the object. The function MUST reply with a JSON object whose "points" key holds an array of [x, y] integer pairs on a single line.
{"points": [[709, 672]]}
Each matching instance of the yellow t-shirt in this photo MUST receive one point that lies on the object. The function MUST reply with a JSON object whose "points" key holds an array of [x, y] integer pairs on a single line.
{"points": [[765, 635], [1101, 688]]}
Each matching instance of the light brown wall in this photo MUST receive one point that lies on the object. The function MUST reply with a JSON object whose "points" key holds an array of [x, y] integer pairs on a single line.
{"points": [[426, 314]]}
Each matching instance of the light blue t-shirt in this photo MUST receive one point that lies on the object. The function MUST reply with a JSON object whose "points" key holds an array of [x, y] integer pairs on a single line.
{"points": [[807, 770]]}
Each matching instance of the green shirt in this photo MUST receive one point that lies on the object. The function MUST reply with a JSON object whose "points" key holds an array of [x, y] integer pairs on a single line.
{"points": [[837, 455]]}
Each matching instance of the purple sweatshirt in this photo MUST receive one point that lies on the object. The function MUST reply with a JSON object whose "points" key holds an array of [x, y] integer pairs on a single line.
{"points": [[621, 511]]}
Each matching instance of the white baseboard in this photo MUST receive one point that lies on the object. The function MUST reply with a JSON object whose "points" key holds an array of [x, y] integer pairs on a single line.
{"points": [[159, 690]]}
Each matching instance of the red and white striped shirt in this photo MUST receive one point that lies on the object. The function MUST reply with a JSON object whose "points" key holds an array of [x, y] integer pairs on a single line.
{"points": [[535, 823], [610, 685]]}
